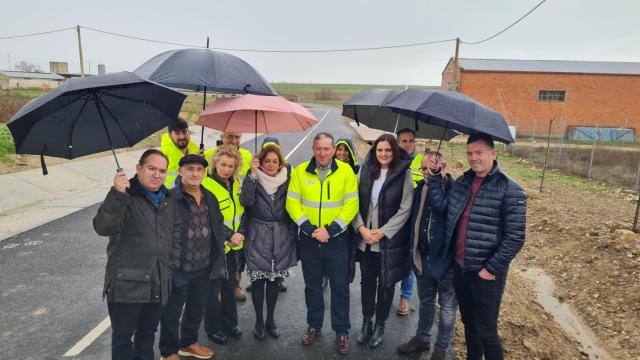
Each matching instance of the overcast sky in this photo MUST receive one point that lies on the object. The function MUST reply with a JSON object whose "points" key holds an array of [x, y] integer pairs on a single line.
{"points": [[559, 29]]}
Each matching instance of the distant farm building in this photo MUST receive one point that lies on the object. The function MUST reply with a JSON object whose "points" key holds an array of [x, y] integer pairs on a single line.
{"points": [[24, 80], [580, 95]]}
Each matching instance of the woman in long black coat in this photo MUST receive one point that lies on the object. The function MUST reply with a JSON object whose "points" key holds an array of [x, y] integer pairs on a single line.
{"points": [[385, 189], [270, 241]]}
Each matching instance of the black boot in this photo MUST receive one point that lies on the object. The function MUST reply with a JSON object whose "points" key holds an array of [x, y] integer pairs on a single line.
{"points": [[376, 337], [366, 331], [258, 330]]}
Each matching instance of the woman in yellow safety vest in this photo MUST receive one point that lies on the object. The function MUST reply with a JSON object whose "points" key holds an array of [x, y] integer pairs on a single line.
{"points": [[221, 320]]}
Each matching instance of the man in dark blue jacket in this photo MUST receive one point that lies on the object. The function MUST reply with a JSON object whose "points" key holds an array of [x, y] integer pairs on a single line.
{"points": [[428, 219], [486, 221]]}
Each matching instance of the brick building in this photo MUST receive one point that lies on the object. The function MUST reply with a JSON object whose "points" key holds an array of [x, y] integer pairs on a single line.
{"points": [[530, 92]]}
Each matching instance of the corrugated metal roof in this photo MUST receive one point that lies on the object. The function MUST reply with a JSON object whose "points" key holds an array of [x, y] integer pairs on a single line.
{"points": [[551, 66], [31, 75]]}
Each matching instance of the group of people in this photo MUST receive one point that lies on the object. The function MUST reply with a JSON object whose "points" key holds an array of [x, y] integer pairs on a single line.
{"points": [[190, 221]]}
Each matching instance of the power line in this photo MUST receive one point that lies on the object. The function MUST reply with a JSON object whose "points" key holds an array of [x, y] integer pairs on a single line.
{"points": [[273, 51], [34, 34], [505, 29], [287, 51]]}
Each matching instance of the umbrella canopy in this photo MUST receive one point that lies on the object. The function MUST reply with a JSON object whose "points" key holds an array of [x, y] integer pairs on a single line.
{"points": [[93, 114], [367, 107], [255, 113], [197, 69], [452, 110]]}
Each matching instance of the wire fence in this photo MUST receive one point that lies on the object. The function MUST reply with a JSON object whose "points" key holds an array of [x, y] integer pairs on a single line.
{"points": [[591, 155]]}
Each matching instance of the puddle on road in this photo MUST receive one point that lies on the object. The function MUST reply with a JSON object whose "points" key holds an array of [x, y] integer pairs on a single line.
{"points": [[563, 314]]}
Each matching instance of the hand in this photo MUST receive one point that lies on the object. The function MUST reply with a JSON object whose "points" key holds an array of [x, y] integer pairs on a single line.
{"points": [[201, 152], [321, 234], [121, 182], [255, 165], [376, 236], [236, 239], [485, 275], [366, 234]]}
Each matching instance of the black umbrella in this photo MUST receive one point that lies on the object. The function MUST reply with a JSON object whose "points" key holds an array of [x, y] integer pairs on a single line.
{"points": [[88, 115], [205, 70], [367, 107], [451, 110]]}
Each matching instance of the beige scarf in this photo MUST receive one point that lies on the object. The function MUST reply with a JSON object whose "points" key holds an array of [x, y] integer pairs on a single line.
{"points": [[271, 183]]}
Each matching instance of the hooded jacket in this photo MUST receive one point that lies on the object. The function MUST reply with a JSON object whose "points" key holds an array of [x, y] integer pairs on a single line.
{"points": [[352, 152]]}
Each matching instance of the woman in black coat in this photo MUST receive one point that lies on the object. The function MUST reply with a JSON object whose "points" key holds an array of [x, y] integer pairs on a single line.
{"points": [[386, 192], [270, 242]]}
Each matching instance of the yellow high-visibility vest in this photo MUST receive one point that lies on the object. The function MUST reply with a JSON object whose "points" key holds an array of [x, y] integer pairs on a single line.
{"points": [[323, 202], [415, 166], [230, 206], [174, 154]]}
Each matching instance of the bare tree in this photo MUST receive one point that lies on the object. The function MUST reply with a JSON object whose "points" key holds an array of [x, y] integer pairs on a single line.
{"points": [[28, 67]]}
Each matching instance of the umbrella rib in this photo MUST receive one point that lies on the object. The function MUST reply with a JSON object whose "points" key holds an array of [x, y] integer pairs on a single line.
{"points": [[73, 126], [49, 114], [119, 125], [137, 101]]}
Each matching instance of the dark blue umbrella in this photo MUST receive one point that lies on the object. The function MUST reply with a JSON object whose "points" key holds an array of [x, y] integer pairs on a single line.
{"points": [[93, 114], [452, 110], [367, 107], [205, 70]]}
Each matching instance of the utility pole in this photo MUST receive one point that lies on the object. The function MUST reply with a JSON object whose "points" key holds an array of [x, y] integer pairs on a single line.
{"points": [[456, 73], [10, 67], [80, 51]]}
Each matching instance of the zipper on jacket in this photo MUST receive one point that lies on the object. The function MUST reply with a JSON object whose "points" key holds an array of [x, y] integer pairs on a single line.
{"points": [[328, 190]]}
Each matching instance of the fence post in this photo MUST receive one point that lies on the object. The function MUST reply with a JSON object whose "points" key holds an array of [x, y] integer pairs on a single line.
{"points": [[593, 152], [561, 141], [637, 178], [533, 139], [546, 158]]}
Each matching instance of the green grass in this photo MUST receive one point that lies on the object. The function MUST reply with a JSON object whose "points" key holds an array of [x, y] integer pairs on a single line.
{"points": [[23, 93], [334, 103], [524, 171], [293, 88], [6, 142]]}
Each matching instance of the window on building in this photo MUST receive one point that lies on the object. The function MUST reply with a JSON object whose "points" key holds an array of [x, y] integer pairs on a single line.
{"points": [[551, 95]]}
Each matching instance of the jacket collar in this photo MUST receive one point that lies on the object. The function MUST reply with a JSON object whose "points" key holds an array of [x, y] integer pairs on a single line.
{"points": [[313, 165], [178, 190]]}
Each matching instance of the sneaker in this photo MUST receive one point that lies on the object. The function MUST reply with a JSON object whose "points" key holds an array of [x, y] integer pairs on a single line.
{"points": [[173, 356], [412, 346], [197, 351], [403, 307]]}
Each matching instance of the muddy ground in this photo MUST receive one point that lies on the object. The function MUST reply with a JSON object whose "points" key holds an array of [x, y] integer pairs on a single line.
{"points": [[575, 237]]}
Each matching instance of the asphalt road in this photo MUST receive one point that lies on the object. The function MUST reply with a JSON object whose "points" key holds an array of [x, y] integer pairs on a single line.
{"points": [[51, 282]]}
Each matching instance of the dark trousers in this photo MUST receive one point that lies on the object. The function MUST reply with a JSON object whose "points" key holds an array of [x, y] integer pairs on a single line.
{"points": [[331, 260], [479, 302], [139, 321], [220, 313], [371, 284], [191, 293]]}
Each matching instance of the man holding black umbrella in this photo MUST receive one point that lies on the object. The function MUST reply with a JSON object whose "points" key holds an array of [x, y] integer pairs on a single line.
{"points": [[143, 223]]}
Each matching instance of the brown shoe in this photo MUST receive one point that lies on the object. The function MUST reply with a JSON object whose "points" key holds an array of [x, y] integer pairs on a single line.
{"points": [[238, 293], [310, 336], [173, 356], [403, 307], [197, 351], [412, 346], [343, 345]]}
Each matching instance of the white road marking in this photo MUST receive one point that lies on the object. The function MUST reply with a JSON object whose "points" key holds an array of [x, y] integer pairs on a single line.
{"points": [[306, 136], [104, 325], [89, 338]]}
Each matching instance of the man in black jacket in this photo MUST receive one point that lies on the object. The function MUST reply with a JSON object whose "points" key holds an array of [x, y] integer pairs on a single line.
{"points": [[203, 235], [143, 223], [486, 220]]}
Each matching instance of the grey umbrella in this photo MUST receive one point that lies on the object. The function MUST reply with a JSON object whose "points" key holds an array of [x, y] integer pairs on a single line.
{"points": [[205, 70], [367, 107], [93, 114]]}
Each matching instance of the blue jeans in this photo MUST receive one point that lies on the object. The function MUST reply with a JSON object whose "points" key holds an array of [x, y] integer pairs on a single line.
{"points": [[406, 286], [428, 290], [331, 260]]}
